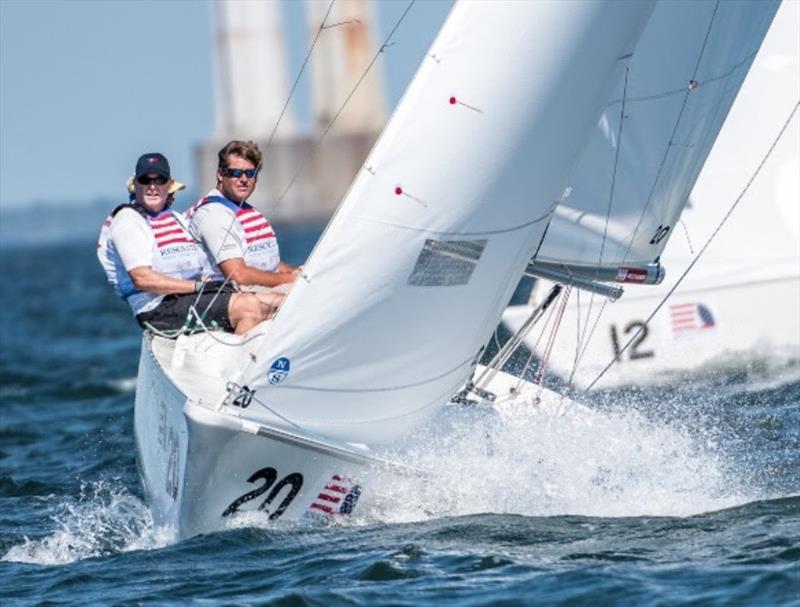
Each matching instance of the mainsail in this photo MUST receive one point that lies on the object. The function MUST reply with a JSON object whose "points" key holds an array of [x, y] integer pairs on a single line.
{"points": [[633, 180], [415, 269]]}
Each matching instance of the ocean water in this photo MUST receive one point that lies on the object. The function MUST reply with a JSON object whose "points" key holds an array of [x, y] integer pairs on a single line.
{"points": [[683, 494]]}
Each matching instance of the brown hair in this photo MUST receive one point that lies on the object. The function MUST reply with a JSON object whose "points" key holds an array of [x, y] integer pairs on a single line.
{"points": [[244, 149]]}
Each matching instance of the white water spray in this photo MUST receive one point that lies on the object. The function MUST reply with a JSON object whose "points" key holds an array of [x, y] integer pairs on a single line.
{"points": [[554, 459], [104, 519]]}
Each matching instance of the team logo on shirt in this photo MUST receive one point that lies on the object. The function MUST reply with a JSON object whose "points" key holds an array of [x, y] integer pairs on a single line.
{"points": [[278, 370]]}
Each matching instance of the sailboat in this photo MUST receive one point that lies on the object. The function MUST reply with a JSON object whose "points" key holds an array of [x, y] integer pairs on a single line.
{"points": [[410, 278], [739, 304]]}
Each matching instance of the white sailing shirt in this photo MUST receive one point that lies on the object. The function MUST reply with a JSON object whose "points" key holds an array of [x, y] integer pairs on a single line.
{"points": [[230, 230], [162, 241]]}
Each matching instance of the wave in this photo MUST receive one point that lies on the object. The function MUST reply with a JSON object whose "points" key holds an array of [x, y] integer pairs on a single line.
{"points": [[105, 518], [536, 460]]}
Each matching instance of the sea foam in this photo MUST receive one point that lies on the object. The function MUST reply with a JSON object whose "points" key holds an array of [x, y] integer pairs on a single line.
{"points": [[104, 519], [551, 459]]}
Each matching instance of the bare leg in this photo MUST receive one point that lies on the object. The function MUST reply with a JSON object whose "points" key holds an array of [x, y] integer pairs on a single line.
{"points": [[245, 312], [273, 300]]}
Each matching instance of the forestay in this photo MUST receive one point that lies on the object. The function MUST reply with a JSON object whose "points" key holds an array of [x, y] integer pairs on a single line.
{"points": [[681, 82], [413, 272]]}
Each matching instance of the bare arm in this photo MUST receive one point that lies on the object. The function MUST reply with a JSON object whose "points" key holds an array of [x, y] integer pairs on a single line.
{"points": [[286, 267], [147, 279], [237, 270]]}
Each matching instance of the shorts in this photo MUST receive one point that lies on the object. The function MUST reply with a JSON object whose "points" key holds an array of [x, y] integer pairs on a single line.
{"points": [[172, 313]]}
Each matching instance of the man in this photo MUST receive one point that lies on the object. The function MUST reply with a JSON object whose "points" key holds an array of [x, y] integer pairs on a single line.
{"points": [[154, 264], [239, 238]]}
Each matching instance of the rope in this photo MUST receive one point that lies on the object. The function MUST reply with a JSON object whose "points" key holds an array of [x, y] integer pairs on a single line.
{"points": [[228, 231], [300, 73], [338, 113], [283, 417], [686, 234], [330, 125], [546, 324], [584, 339], [705, 246], [552, 339]]}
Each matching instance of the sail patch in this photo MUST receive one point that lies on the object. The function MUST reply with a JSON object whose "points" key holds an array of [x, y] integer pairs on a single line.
{"points": [[278, 370], [446, 263]]}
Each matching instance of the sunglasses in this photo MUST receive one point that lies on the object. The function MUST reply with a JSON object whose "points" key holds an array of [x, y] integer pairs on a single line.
{"points": [[147, 180], [236, 173]]}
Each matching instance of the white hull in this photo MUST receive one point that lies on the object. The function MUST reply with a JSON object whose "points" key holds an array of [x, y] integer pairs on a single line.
{"points": [[202, 463], [207, 465], [740, 324]]}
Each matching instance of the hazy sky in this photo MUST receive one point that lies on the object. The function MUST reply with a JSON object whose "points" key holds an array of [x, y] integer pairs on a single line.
{"points": [[87, 86]]}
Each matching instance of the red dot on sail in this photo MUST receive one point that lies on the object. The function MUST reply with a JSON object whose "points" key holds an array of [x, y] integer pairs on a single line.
{"points": [[452, 100], [398, 190]]}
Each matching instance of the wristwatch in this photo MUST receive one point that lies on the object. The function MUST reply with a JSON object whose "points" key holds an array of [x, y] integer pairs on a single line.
{"points": [[198, 285]]}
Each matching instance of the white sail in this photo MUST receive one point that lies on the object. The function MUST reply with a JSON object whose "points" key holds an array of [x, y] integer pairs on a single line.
{"points": [[413, 272], [740, 301], [626, 194]]}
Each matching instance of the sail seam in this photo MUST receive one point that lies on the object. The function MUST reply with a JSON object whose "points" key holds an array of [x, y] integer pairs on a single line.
{"points": [[674, 92], [466, 362], [443, 233]]}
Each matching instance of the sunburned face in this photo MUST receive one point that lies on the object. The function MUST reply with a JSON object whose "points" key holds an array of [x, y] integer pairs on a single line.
{"points": [[151, 192], [237, 188]]}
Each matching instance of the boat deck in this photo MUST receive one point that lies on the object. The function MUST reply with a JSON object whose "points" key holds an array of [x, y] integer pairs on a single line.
{"points": [[201, 365]]}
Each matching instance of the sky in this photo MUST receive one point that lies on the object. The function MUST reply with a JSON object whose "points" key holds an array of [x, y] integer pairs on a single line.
{"points": [[86, 86]]}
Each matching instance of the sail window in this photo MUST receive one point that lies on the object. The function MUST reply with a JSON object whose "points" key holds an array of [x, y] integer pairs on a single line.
{"points": [[446, 263]]}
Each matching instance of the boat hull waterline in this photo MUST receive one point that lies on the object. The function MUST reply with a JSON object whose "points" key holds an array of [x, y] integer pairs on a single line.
{"points": [[208, 467], [202, 466]]}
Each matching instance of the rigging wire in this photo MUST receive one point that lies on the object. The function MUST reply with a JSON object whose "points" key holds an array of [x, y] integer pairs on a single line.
{"points": [[528, 362], [587, 338], [672, 143], [338, 113], [322, 27], [228, 232], [386, 44], [551, 340], [584, 340], [705, 246], [706, 81], [686, 234]]}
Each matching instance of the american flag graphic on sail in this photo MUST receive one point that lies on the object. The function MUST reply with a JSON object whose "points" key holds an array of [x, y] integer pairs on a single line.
{"points": [[687, 317]]}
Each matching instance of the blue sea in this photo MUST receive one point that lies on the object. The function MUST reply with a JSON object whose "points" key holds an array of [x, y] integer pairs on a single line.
{"points": [[679, 495]]}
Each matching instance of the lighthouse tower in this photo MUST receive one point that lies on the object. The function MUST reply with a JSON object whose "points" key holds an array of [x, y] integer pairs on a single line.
{"points": [[303, 178]]}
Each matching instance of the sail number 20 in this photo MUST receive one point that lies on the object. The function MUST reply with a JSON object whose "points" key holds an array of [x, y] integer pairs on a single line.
{"points": [[638, 330], [294, 482]]}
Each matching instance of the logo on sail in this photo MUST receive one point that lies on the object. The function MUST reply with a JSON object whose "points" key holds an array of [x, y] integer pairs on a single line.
{"points": [[278, 370]]}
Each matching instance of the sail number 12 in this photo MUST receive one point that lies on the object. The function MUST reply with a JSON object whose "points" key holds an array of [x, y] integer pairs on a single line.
{"points": [[637, 329]]}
